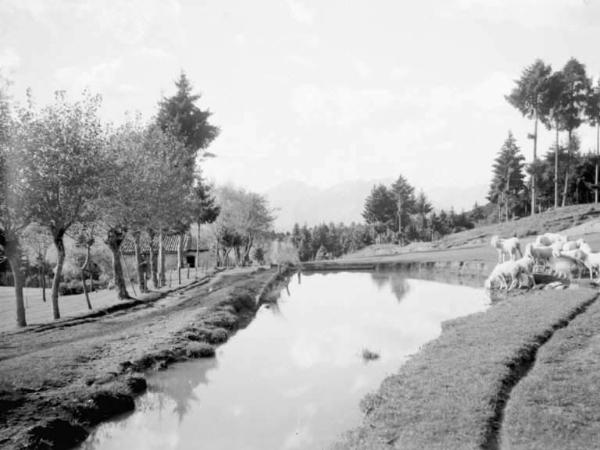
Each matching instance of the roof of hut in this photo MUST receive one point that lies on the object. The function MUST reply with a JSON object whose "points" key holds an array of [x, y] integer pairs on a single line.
{"points": [[169, 244]]}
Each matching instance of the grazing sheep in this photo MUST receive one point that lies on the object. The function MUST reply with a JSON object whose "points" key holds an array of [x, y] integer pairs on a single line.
{"points": [[539, 253], [563, 266], [579, 257], [550, 238], [572, 245], [508, 247], [508, 270], [591, 261]]}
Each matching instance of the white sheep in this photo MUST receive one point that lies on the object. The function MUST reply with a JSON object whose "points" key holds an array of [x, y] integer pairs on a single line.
{"points": [[509, 270], [585, 247], [508, 247], [591, 261], [541, 254], [572, 245], [579, 257], [550, 238]]}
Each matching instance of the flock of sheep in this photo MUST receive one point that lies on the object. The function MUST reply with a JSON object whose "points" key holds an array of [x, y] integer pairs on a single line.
{"points": [[550, 251]]}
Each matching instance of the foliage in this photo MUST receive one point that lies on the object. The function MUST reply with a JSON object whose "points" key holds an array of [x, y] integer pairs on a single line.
{"points": [[244, 217], [283, 252], [178, 115], [507, 183], [380, 207], [63, 160], [527, 96], [205, 209], [330, 240]]}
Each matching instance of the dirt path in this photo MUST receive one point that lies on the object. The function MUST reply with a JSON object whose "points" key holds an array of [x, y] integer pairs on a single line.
{"points": [[56, 381]]}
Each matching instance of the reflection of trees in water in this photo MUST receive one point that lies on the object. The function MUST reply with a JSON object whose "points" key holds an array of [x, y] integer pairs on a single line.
{"points": [[381, 279], [396, 280], [400, 287], [274, 308], [180, 384]]}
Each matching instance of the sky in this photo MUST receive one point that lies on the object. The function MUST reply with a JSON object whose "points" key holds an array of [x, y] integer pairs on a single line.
{"points": [[321, 92]]}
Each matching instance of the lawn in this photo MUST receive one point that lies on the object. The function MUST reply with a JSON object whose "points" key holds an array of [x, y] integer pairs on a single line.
{"points": [[38, 312], [557, 406], [451, 394]]}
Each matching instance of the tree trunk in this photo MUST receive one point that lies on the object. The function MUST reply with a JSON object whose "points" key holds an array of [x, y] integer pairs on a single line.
{"points": [[556, 170], [13, 254], [152, 258], [179, 256], [43, 281], [139, 263], [198, 245], [161, 261], [114, 239], [60, 260], [597, 156], [564, 194], [535, 134], [83, 268], [85, 291], [565, 189]]}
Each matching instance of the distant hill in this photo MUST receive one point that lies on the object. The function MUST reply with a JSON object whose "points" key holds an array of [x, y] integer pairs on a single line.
{"points": [[299, 202]]}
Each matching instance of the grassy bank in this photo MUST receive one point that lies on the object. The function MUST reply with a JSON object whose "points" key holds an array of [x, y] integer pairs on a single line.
{"points": [[451, 395], [57, 382], [557, 406]]}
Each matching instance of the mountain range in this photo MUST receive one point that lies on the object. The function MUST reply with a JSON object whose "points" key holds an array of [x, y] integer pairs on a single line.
{"points": [[298, 202]]}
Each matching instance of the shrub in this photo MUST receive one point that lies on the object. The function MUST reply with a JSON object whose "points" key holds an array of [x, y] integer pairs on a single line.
{"points": [[199, 350], [217, 336]]}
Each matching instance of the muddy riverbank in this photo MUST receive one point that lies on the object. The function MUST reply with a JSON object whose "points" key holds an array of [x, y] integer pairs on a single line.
{"points": [[58, 381]]}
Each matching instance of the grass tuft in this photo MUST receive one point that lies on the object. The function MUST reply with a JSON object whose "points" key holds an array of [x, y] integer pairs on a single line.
{"points": [[369, 355], [199, 350]]}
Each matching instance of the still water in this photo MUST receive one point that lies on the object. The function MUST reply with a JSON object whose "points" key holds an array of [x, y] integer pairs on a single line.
{"points": [[293, 379]]}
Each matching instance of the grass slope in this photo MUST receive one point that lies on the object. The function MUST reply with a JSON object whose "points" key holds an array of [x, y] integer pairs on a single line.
{"points": [[575, 221], [557, 406], [449, 395]]}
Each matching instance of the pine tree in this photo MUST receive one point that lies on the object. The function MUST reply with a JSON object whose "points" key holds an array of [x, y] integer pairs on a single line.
{"points": [[508, 177], [404, 194], [180, 116], [380, 206], [528, 97]]}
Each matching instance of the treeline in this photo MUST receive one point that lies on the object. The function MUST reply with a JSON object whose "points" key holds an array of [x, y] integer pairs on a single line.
{"points": [[65, 172], [393, 214], [396, 214], [330, 241], [562, 101]]}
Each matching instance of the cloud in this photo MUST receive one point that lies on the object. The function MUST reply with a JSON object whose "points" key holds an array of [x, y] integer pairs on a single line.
{"points": [[300, 12], [526, 13], [78, 78], [340, 106], [9, 61], [362, 68]]}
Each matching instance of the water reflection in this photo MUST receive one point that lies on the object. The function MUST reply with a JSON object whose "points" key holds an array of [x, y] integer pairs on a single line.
{"points": [[294, 377], [180, 390]]}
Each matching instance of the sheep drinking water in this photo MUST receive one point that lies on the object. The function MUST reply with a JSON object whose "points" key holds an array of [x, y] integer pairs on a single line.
{"points": [[510, 270]]}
